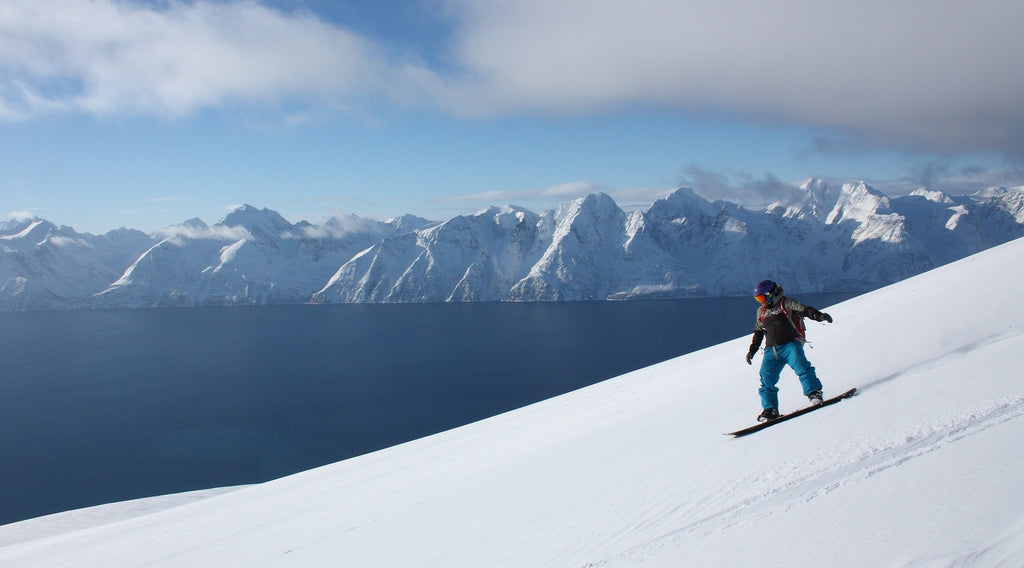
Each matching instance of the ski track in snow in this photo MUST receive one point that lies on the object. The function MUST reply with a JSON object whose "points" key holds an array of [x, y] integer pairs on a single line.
{"points": [[927, 364], [846, 461], [1003, 552]]}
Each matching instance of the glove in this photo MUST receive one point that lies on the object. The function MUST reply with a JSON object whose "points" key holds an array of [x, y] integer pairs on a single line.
{"points": [[825, 317]]}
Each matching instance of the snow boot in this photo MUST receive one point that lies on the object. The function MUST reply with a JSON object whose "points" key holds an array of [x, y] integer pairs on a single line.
{"points": [[768, 414], [815, 397]]}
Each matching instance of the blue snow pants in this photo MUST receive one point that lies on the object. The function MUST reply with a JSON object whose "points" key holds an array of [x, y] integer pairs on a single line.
{"points": [[777, 357]]}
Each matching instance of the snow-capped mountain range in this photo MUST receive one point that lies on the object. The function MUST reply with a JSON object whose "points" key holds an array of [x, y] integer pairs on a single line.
{"points": [[835, 236]]}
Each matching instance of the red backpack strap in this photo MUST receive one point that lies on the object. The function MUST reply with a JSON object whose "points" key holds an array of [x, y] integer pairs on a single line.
{"points": [[798, 324]]}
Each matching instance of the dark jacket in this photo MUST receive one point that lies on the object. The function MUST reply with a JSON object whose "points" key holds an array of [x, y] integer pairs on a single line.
{"points": [[773, 325]]}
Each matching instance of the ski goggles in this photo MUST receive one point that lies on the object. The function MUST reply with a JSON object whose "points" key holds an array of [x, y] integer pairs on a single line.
{"points": [[762, 298]]}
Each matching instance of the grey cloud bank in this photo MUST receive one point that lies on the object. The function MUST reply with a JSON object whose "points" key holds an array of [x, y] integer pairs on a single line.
{"points": [[938, 76]]}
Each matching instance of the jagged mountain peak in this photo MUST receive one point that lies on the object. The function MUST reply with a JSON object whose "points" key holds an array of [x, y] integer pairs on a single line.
{"points": [[819, 197], [821, 190], [17, 224], [261, 224], [251, 218], [508, 215], [857, 201], [194, 223], [990, 192], [591, 206], [598, 200], [124, 232], [409, 223], [36, 231], [935, 196], [833, 200], [487, 219], [684, 197], [682, 204]]}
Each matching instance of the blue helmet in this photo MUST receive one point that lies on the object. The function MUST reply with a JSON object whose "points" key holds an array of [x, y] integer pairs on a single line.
{"points": [[766, 288]]}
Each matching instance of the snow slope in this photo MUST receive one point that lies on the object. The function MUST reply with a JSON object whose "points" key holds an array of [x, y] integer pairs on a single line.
{"points": [[922, 470]]}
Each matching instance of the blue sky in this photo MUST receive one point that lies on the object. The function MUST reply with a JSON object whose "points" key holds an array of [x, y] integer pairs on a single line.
{"points": [[147, 113]]}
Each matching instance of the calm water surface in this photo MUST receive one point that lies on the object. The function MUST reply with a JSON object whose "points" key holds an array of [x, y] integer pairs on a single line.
{"points": [[104, 406]]}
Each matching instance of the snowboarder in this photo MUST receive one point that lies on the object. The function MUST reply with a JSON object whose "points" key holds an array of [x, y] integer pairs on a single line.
{"points": [[780, 324]]}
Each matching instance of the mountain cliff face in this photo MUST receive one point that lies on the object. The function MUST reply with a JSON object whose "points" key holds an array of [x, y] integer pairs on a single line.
{"points": [[468, 258], [43, 265], [251, 257], [836, 236]]}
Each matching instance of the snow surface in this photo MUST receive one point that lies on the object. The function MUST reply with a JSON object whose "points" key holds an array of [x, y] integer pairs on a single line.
{"points": [[923, 469]]}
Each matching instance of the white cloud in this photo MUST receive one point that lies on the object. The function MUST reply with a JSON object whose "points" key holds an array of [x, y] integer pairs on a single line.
{"points": [[563, 191], [339, 226], [109, 56], [68, 241], [21, 216], [178, 233]]}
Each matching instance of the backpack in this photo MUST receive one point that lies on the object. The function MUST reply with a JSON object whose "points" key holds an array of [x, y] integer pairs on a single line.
{"points": [[797, 323]]}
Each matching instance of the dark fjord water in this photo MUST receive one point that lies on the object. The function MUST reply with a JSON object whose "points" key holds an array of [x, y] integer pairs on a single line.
{"points": [[104, 406]]}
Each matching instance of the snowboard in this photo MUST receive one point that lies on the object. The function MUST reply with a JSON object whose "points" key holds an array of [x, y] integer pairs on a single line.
{"points": [[784, 417]]}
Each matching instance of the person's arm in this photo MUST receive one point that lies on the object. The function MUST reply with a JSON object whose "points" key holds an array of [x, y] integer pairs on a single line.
{"points": [[814, 314], [797, 307], [755, 344]]}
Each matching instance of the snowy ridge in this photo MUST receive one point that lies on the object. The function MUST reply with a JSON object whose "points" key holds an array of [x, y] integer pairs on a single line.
{"points": [[251, 257], [833, 236], [922, 468], [43, 265]]}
